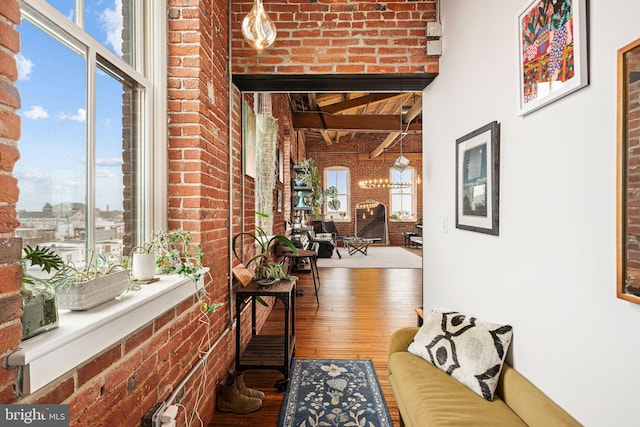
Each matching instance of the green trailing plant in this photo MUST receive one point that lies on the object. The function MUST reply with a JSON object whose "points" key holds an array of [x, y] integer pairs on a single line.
{"points": [[47, 259], [308, 172], [177, 253]]}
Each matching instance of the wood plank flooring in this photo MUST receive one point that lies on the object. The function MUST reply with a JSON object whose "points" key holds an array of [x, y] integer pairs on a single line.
{"points": [[359, 309]]}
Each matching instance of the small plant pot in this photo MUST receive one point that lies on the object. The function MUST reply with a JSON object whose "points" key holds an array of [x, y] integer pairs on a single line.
{"points": [[143, 266]]}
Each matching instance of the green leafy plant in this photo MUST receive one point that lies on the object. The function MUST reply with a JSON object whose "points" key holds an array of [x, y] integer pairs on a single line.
{"points": [[96, 266], [308, 172], [40, 312], [177, 253], [265, 267], [331, 193]]}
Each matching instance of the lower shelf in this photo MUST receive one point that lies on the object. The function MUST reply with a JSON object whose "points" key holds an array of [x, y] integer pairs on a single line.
{"points": [[267, 351]]}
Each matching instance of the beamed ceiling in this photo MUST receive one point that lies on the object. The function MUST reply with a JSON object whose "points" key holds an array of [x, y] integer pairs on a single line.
{"points": [[335, 117], [331, 108]]}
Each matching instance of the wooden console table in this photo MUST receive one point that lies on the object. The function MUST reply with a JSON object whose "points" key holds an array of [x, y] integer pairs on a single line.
{"points": [[268, 351]]}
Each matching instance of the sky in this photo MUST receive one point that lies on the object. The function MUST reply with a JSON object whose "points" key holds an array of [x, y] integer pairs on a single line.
{"points": [[52, 82]]}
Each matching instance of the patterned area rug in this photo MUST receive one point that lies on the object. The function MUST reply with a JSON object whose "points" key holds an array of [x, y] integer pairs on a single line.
{"points": [[330, 392]]}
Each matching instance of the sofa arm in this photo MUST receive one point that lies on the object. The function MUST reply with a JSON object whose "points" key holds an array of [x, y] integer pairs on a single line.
{"points": [[401, 339]]}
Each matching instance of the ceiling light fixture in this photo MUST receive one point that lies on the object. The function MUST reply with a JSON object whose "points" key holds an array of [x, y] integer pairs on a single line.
{"points": [[383, 182], [401, 163], [257, 28]]}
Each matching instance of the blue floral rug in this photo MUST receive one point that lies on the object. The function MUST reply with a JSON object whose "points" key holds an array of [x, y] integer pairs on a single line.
{"points": [[334, 393]]}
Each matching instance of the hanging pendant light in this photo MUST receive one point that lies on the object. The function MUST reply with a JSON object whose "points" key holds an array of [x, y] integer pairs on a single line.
{"points": [[401, 163], [257, 28]]}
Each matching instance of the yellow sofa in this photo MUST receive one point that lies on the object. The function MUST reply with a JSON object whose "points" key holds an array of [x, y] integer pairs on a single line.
{"points": [[428, 397]]}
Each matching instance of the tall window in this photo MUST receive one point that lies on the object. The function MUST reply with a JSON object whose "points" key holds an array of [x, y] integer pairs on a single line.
{"points": [[86, 88], [403, 201], [339, 206]]}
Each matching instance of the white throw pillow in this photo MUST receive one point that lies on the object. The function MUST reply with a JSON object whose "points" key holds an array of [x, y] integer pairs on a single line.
{"points": [[468, 349]]}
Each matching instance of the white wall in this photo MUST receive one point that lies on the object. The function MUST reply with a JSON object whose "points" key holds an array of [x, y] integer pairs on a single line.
{"points": [[551, 272]]}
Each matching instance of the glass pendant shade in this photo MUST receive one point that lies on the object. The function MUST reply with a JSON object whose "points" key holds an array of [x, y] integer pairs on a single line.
{"points": [[401, 163], [257, 28]]}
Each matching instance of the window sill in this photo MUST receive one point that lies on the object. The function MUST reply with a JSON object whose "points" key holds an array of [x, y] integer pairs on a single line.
{"points": [[81, 335]]}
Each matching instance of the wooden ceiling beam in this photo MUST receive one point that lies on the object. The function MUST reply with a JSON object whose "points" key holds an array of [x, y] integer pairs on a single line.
{"points": [[354, 123]]}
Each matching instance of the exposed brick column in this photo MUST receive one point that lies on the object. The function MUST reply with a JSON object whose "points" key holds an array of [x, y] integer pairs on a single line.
{"points": [[10, 247]]}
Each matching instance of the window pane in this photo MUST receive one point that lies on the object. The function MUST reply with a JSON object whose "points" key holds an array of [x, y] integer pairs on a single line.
{"points": [[66, 7], [110, 23], [52, 168], [117, 166]]}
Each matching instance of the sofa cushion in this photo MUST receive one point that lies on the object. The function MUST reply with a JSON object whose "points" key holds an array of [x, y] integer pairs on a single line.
{"points": [[429, 398], [468, 349]]}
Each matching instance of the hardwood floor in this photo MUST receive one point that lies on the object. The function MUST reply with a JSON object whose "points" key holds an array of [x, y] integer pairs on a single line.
{"points": [[359, 309]]}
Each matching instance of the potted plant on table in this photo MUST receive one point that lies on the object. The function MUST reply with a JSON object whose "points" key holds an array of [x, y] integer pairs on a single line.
{"points": [[266, 269]]}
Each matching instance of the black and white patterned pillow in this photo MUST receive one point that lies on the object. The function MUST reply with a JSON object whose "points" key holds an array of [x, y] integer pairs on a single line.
{"points": [[468, 349]]}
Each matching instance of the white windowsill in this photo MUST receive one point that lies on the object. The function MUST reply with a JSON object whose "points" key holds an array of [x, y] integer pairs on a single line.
{"points": [[81, 335]]}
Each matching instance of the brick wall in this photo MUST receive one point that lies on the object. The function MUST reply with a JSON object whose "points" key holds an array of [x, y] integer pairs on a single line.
{"points": [[10, 248], [339, 37], [120, 384], [362, 143]]}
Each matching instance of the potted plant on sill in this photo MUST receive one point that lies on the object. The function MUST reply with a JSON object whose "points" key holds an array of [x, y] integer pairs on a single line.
{"points": [[81, 288], [39, 308], [266, 268], [176, 253]]}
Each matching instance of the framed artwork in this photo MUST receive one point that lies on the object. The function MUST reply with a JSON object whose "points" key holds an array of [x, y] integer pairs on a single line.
{"points": [[477, 179], [628, 176], [552, 51], [248, 140]]}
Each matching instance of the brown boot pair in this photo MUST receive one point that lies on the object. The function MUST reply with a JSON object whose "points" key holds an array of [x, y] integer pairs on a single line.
{"points": [[236, 397]]}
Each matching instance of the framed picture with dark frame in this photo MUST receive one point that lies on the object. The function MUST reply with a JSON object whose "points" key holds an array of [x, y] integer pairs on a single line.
{"points": [[552, 51], [477, 179]]}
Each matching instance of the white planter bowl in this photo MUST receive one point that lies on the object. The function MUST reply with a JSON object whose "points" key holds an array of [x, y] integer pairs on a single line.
{"points": [[86, 295]]}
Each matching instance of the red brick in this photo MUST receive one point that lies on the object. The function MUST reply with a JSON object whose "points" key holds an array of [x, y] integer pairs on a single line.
{"points": [[8, 189], [94, 367], [9, 122], [56, 394], [10, 277]]}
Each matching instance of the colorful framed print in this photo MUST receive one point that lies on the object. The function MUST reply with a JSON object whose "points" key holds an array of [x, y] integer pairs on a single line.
{"points": [[552, 51], [477, 179]]}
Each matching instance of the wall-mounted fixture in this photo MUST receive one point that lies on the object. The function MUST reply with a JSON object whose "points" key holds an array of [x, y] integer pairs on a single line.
{"points": [[257, 28]]}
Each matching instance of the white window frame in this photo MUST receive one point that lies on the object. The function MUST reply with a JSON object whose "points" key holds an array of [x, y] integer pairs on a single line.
{"points": [[412, 191], [84, 334], [149, 72], [345, 208]]}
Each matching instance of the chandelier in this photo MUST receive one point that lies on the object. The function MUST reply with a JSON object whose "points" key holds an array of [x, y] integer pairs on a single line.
{"points": [[383, 183], [257, 28], [367, 204]]}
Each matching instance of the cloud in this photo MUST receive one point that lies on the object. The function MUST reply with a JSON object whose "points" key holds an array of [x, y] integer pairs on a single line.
{"points": [[109, 162], [25, 67], [80, 116], [111, 20], [36, 113]]}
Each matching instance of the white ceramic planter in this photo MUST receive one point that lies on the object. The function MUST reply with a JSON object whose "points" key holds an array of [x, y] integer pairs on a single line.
{"points": [[143, 266], [86, 295]]}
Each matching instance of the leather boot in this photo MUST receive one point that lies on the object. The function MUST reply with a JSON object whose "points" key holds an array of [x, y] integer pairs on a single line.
{"points": [[242, 387], [229, 399]]}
